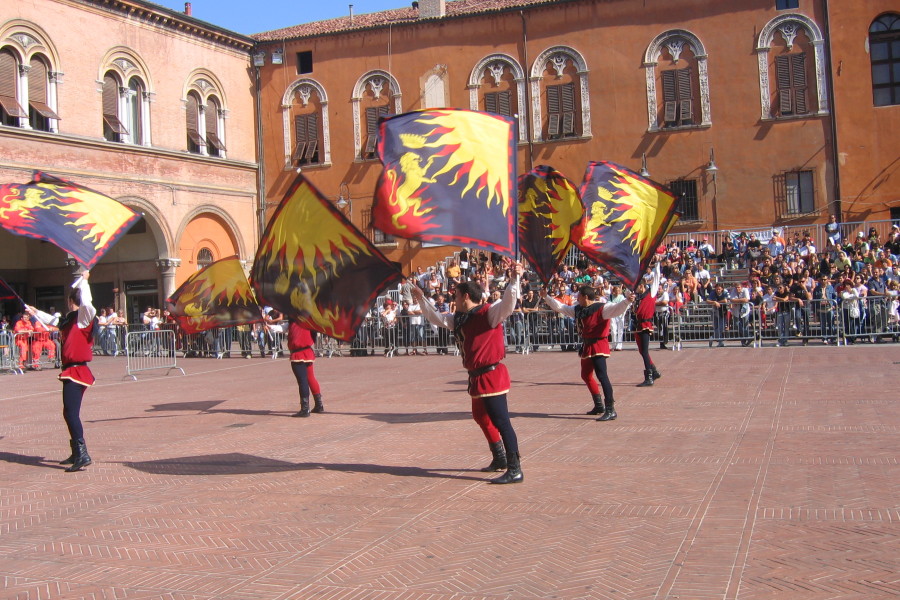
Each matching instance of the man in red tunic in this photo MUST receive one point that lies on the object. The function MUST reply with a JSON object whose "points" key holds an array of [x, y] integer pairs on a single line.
{"points": [[645, 308], [300, 345], [76, 332], [479, 336], [592, 319]]}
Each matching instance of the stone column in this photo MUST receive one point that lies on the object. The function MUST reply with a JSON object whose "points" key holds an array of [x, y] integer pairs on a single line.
{"points": [[167, 268]]}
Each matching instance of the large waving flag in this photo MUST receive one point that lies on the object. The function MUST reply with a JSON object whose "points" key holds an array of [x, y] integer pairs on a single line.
{"points": [[550, 214], [314, 265], [218, 295], [449, 178], [76, 219], [626, 217]]}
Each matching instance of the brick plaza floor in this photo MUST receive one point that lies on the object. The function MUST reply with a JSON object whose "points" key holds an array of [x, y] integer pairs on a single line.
{"points": [[744, 473]]}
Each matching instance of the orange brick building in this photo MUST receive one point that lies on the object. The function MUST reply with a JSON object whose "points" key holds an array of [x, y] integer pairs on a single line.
{"points": [[760, 113], [155, 111], [675, 87]]}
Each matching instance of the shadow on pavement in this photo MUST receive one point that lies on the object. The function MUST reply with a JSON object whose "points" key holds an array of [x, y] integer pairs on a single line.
{"points": [[236, 463]]}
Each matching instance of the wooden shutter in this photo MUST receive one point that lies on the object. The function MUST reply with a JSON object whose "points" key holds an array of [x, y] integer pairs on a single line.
{"points": [[670, 103], [554, 104], [372, 115], [685, 95], [312, 138], [111, 106], [490, 103], [9, 74], [798, 83], [300, 137], [211, 116], [504, 103], [37, 89], [568, 109], [193, 120], [783, 83]]}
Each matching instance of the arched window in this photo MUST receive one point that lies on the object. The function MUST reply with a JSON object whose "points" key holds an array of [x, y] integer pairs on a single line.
{"points": [[114, 130], [305, 121], [560, 98], [213, 115], [376, 95], [204, 258], [497, 85], [195, 141], [39, 111], [884, 52], [677, 81], [791, 58], [10, 108], [134, 104]]}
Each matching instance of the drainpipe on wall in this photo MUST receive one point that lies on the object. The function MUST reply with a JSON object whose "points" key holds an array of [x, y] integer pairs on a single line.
{"points": [[528, 132], [260, 162], [835, 156]]}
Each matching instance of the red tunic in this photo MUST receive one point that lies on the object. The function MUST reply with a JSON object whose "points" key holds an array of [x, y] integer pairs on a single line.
{"points": [[482, 348], [77, 349], [594, 330], [300, 343], [643, 314]]}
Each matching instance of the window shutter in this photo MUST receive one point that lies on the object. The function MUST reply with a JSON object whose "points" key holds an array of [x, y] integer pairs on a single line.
{"points": [[37, 81], [9, 73], [798, 75], [111, 106], [671, 109], [553, 100], [300, 136], [783, 82], [553, 126], [686, 114], [193, 120], [504, 103], [568, 109], [211, 116], [668, 85], [312, 137], [685, 95], [311, 148], [490, 103]]}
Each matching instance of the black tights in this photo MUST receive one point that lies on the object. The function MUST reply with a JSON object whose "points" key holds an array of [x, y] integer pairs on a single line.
{"points": [[72, 394], [498, 411], [643, 343], [603, 376]]}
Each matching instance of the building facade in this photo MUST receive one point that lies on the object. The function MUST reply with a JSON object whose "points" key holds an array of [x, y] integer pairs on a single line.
{"points": [[156, 111], [731, 104]]}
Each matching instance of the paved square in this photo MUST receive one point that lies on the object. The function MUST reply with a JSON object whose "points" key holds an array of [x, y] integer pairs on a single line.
{"points": [[743, 473]]}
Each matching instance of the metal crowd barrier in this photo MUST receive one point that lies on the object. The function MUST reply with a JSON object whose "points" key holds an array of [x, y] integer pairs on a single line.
{"points": [[150, 350], [9, 353], [36, 350]]}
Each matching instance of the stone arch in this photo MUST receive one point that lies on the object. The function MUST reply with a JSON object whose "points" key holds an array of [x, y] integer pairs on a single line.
{"points": [[651, 60], [156, 223], [359, 89], [230, 226], [305, 85], [29, 39], [518, 74], [126, 63], [787, 25], [537, 70], [205, 84]]}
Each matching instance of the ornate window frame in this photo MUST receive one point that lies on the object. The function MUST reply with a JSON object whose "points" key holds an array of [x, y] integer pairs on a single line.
{"points": [[359, 90], [670, 39], [497, 63], [305, 87], [537, 75], [787, 25], [206, 85], [126, 64], [26, 40]]}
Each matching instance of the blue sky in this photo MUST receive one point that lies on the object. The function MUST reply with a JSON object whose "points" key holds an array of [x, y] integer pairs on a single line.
{"points": [[264, 15]]}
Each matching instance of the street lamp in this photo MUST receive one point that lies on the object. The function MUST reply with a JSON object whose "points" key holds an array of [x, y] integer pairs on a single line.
{"points": [[711, 167], [344, 200], [644, 171]]}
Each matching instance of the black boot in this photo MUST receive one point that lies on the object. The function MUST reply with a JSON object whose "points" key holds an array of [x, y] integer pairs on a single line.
{"points": [[598, 405], [648, 379], [655, 373], [319, 407], [499, 462], [71, 459], [304, 408], [82, 458], [610, 413], [513, 470]]}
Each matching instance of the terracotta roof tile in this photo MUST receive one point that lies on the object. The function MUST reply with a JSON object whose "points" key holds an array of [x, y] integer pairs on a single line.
{"points": [[382, 18]]}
